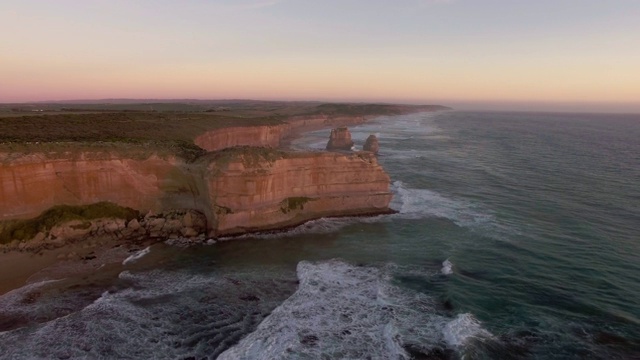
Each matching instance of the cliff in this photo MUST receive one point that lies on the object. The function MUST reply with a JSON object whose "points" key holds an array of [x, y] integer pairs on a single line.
{"points": [[371, 144], [30, 184], [239, 190], [340, 139], [270, 135], [272, 190], [241, 185]]}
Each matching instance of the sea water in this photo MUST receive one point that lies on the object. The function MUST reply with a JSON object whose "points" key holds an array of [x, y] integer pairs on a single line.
{"points": [[517, 237]]}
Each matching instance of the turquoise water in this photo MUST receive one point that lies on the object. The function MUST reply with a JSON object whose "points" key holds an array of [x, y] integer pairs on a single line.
{"points": [[517, 237]]}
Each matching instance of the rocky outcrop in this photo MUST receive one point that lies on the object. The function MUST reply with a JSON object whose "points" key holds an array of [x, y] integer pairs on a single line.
{"points": [[253, 194], [371, 144], [340, 139], [174, 224]]}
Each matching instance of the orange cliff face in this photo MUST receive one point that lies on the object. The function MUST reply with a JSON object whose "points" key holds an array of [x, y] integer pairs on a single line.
{"points": [[251, 196], [31, 184], [238, 194], [236, 197], [270, 135]]}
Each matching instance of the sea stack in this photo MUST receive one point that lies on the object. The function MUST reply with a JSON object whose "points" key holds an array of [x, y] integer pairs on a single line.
{"points": [[340, 139], [371, 144]]}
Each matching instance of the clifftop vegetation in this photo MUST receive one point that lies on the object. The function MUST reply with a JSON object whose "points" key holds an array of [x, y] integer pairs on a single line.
{"points": [[165, 127]]}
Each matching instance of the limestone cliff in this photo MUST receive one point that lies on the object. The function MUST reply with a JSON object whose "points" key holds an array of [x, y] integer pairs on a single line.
{"points": [[340, 139], [30, 184], [239, 190], [252, 193], [371, 144], [270, 135]]}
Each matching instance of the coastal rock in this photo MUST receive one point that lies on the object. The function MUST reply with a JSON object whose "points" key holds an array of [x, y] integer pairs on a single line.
{"points": [[264, 195], [113, 225], [133, 225], [68, 230], [189, 232], [371, 144], [340, 139]]}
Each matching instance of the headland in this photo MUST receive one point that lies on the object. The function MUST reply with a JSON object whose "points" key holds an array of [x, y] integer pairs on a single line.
{"points": [[135, 173]]}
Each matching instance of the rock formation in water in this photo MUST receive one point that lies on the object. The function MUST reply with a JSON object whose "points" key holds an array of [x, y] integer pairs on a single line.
{"points": [[371, 144], [340, 139]]}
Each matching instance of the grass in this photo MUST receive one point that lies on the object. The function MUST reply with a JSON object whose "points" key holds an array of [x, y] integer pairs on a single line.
{"points": [[250, 156], [171, 133], [28, 229], [165, 127], [293, 203]]}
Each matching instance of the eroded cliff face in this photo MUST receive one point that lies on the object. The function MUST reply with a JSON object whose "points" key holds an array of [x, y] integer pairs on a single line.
{"points": [[30, 184], [270, 135], [238, 192], [249, 195]]}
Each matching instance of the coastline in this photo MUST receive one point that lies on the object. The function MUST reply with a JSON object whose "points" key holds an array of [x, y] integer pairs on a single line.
{"points": [[21, 266]]}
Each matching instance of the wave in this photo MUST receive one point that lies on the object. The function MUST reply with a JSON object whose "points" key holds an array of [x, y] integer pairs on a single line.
{"points": [[154, 314], [409, 203], [346, 311], [318, 226], [137, 256], [447, 267], [420, 203]]}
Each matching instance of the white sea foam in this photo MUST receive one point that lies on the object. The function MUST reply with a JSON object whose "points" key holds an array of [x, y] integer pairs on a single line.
{"points": [[176, 314], [464, 328], [137, 256], [345, 311], [410, 204], [11, 299], [318, 226], [447, 267], [419, 203]]}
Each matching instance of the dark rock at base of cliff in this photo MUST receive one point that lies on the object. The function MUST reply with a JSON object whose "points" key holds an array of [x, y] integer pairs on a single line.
{"points": [[340, 139], [179, 224], [371, 144]]}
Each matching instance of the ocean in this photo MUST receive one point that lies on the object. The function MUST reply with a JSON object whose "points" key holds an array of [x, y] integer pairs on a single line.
{"points": [[517, 237]]}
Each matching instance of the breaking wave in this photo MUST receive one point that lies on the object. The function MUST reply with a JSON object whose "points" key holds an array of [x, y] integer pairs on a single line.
{"points": [[155, 314], [447, 267], [137, 256], [421, 203], [344, 311]]}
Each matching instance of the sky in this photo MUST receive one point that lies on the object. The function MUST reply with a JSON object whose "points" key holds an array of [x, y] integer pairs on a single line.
{"points": [[471, 54]]}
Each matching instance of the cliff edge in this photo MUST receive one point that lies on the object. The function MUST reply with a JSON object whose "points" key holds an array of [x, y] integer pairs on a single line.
{"points": [[231, 178]]}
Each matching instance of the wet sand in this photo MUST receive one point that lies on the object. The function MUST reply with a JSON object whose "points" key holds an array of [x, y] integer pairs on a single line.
{"points": [[18, 269]]}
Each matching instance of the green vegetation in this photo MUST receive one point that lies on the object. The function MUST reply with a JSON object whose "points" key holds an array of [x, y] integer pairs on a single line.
{"points": [[359, 109], [27, 229], [163, 127], [293, 203], [172, 132], [222, 210]]}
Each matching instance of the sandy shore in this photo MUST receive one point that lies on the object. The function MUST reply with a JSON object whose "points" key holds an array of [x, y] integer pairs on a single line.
{"points": [[18, 269]]}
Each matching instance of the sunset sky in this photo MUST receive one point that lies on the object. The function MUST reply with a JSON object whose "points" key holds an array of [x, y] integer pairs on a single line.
{"points": [[509, 54]]}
